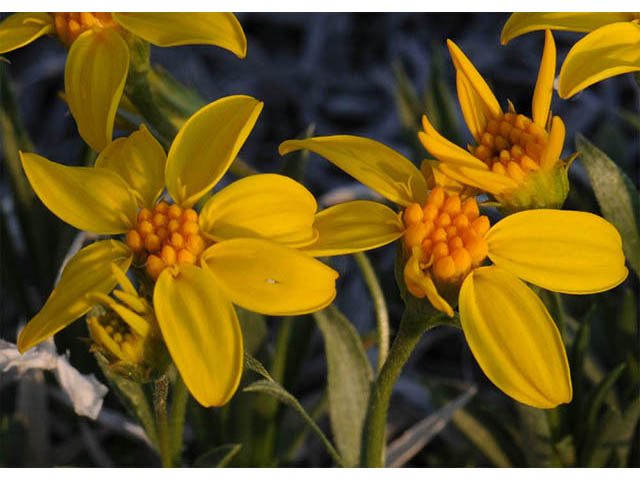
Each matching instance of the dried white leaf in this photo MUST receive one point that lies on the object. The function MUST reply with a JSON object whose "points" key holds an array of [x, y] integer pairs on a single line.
{"points": [[85, 392]]}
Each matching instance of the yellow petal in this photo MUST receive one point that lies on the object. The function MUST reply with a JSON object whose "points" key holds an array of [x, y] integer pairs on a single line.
{"points": [[372, 163], [554, 145], [521, 23], [94, 78], [608, 51], [140, 160], [207, 144], [564, 251], [87, 271], [92, 199], [353, 227], [471, 106], [201, 330], [433, 174], [268, 278], [268, 206], [481, 91], [101, 337], [420, 284], [170, 29], [444, 150], [514, 339], [20, 29], [485, 180], [544, 85]]}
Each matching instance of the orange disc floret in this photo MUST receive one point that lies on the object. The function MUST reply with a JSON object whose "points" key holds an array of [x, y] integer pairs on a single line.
{"points": [[450, 234], [167, 235], [511, 145], [69, 25]]}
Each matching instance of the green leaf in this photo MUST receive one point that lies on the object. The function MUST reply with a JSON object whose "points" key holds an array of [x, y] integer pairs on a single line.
{"points": [[579, 349], [410, 107], [617, 197], [415, 438], [254, 365], [616, 435], [598, 396], [218, 457], [536, 435], [276, 390], [349, 383], [132, 396], [481, 437]]}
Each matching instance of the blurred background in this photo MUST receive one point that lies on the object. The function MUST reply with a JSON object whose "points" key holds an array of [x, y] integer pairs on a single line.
{"points": [[371, 75]]}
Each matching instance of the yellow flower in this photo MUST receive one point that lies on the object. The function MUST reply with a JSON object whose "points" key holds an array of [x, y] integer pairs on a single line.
{"points": [[447, 241], [98, 62], [126, 332], [203, 262], [612, 46], [516, 159]]}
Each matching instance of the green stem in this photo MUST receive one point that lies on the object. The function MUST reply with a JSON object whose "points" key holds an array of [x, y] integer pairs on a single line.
{"points": [[411, 329], [179, 400], [379, 303], [139, 92], [242, 169], [160, 393]]}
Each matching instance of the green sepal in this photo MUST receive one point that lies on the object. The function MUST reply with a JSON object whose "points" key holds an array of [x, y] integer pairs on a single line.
{"points": [[540, 189]]}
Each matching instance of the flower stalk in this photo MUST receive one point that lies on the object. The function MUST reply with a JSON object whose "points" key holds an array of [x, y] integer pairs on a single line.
{"points": [[409, 333], [138, 89]]}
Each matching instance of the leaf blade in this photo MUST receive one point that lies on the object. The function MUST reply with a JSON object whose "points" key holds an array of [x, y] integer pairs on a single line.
{"points": [[616, 195], [349, 381]]}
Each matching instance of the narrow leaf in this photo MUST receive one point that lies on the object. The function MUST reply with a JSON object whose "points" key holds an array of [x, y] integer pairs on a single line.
{"points": [[349, 383], [254, 365], [275, 390], [132, 396], [219, 456], [598, 396], [617, 197], [481, 437], [415, 438], [617, 434]]}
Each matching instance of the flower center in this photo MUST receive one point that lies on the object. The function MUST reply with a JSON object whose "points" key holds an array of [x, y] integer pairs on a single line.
{"points": [[511, 145], [168, 235], [448, 234], [69, 25]]}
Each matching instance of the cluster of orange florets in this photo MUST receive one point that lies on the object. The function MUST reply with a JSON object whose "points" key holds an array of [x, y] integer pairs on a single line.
{"points": [[511, 145], [449, 234], [168, 235], [69, 25]]}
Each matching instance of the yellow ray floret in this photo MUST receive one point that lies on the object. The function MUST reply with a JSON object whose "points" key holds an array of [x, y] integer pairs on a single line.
{"points": [[611, 47]]}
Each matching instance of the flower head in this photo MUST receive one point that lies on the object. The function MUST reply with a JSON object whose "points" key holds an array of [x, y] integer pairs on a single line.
{"points": [[98, 61], [447, 245], [124, 329], [611, 47], [235, 250], [516, 158]]}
